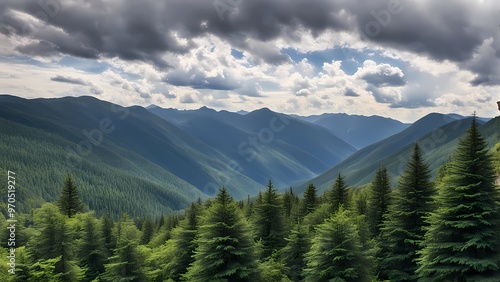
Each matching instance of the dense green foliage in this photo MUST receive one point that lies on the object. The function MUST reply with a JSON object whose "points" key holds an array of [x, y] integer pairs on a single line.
{"points": [[225, 250], [461, 243], [403, 229], [70, 203], [379, 200], [336, 253], [363, 234]]}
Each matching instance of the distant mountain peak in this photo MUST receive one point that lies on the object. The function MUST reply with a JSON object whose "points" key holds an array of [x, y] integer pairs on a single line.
{"points": [[152, 106], [206, 109]]}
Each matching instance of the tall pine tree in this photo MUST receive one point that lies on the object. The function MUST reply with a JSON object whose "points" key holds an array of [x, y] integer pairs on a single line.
{"points": [[462, 242], [339, 194], [293, 254], [268, 221], [225, 249], [379, 200], [310, 200], [70, 203], [403, 231], [91, 250], [336, 253], [183, 243]]}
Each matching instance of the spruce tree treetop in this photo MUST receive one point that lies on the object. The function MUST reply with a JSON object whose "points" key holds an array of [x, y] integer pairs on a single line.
{"points": [[70, 203], [268, 220], [379, 200], [339, 194], [310, 200], [403, 231], [225, 249], [462, 242]]}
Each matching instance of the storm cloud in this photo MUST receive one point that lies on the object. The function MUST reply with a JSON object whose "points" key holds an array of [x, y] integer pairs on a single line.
{"points": [[145, 30]]}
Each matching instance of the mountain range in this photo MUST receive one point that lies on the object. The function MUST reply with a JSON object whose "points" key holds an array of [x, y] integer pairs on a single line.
{"points": [[437, 135], [154, 160]]}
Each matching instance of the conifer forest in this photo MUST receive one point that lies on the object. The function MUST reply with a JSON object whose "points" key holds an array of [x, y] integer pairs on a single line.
{"points": [[445, 229]]}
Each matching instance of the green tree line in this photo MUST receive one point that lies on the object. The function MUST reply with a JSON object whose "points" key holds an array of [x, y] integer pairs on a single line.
{"points": [[442, 230]]}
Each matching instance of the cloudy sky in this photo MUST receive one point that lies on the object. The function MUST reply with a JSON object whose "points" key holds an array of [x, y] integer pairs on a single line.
{"points": [[385, 57]]}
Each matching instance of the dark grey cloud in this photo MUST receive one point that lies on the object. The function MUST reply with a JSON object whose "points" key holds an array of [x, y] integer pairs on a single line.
{"points": [[145, 30], [69, 80], [94, 89], [350, 93], [383, 80], [188, 99], [197, 79], [383, 96]]}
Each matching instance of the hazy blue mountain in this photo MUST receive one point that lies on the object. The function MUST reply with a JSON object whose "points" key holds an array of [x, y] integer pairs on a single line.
{"points": [[264, 144], [436, 133], [359, 131], [164, 164]]}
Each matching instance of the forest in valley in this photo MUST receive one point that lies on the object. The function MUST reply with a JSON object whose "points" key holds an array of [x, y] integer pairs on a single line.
{"points": [[444, 229]]}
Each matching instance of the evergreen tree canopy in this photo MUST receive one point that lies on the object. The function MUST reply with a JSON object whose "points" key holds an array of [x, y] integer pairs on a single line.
{"points": [[183, 242], [462, 242], [268, 221], [225, 249], [310, 200], [91, 250], [336, 253], [379, 200], [339, 194], [293, 254], [70, 203], [403, 230]]}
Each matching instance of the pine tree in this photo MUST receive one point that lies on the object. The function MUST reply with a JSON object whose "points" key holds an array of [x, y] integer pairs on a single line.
{"points": [[339, 194], [403, 230], [293, 254], [126, 262], [379, 200], [92, 252], [183, 243], [288, 202], [147, 231], [53, 246], [310, 201], [336, 253], [462, 243], [225, 250], [69, 203], [269, 221], [109, 239]]}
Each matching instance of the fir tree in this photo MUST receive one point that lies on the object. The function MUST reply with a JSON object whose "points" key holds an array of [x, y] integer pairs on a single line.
{"points": [[147, 231], [69, 203], [109, 239], [310, 200], [126, 262], [403, 230], [293, 254], [379, 200], [225, 250], [288, 198], [53, 246], [339, 194], [462, 243], [268, 221], [92, 252], [336, 253], [183, 243]]}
